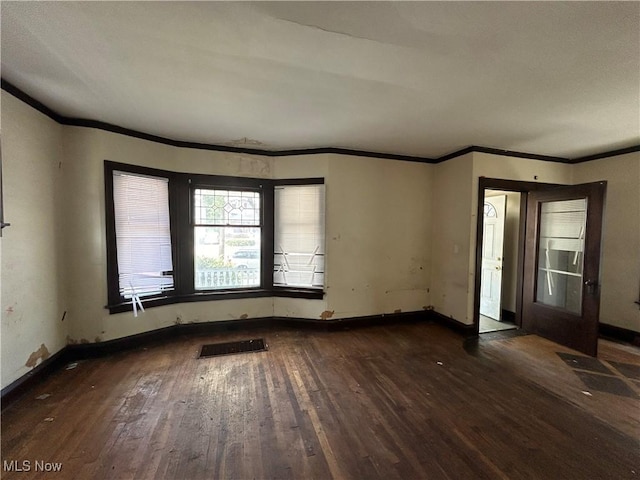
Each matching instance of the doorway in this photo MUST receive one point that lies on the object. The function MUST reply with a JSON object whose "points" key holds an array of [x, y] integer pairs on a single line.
{"points": [[557, 291], [501, 224]]}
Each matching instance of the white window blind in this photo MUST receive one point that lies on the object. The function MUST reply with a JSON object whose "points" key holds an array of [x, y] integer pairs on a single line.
{"points": [[143, 235], [299, 238]]}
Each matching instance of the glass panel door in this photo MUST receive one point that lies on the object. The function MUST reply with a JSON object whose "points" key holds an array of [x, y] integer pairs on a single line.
{"points": [[561, 277], [561, 254]]}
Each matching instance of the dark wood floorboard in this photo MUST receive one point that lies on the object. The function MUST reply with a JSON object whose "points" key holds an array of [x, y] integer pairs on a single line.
{"points": [[393, 402]]}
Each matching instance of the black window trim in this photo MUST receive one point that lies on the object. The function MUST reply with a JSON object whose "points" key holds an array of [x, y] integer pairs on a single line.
{"points": [[181, 188], [261, 186]]}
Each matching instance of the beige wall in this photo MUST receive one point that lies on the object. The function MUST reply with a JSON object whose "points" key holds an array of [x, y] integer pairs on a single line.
{"points": [[451, 242], [378, 226], [620, 264], [377, 235], [33, 296]]}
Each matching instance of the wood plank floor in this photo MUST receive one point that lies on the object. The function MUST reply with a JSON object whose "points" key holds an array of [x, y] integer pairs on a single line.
{"points": [[403, 401]]}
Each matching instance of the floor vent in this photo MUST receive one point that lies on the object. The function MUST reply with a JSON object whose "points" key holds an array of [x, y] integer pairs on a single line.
{"points": [[229, 348]]}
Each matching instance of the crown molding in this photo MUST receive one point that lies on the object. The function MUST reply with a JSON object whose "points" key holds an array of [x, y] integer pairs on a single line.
{"points": [[82, 122], [29, 100], [502, 153], [611, 153]]}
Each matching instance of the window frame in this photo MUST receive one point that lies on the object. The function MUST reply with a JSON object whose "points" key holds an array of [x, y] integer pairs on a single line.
{"points": [[114, 298], [263, 187], [181, 190], [164, 180], [285, 291]]}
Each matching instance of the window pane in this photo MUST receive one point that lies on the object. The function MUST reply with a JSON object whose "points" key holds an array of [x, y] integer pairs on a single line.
{"points": [[299, 236], [226, 207], [226, 257], [143, 234], [561, 254]]}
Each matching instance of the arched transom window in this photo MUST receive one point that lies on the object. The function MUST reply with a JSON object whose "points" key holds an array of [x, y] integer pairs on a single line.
{"points": [[489, 210]]}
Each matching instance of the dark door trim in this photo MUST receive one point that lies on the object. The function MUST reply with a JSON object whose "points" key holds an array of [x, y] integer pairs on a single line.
{"points": [[524, 188]]}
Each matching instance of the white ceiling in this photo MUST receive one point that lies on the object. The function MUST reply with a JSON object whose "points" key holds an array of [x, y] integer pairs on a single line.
{"points": [[412, 78]]}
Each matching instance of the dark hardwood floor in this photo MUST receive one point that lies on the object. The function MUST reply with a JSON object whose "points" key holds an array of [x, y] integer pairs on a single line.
{"points": [[404, 401]]}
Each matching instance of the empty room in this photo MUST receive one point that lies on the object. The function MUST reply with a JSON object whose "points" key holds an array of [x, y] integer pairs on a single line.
{"points": [[320, 240]]}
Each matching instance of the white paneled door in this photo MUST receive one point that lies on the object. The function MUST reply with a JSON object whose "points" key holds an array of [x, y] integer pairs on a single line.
{"points": [[492, 256]]}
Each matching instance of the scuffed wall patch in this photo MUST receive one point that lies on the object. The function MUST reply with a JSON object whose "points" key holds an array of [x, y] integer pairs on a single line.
{"points": [[254, 166], [13, 312], [41, 354], [327, 314], [245, 142]]}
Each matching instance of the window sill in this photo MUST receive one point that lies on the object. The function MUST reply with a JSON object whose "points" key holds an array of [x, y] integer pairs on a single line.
{"points": [[207, 296], [309, 293]]}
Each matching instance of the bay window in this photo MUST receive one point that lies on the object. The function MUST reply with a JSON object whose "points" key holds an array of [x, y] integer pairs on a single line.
{"points": [[177, 237]]}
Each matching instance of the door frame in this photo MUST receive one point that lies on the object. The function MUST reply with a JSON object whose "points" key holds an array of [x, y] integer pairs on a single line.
{"points": [[524, 187]]}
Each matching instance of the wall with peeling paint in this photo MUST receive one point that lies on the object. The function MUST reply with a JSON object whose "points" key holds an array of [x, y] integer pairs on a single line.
{"points": [[85, 150], [620, 264], [378, 236], [378, 220], [33, 294], [400, 235]]}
